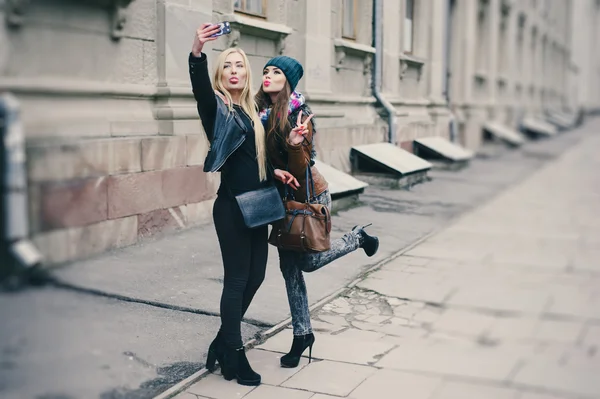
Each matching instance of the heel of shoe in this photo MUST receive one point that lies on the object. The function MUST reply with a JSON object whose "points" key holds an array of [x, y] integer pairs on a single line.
{"points": [[211, 360], [245, 375], [310, 352], [370, 244]]}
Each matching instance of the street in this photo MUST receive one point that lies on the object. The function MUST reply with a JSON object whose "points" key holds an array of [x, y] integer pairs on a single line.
{"points": [[499, 299], [504, 303]]}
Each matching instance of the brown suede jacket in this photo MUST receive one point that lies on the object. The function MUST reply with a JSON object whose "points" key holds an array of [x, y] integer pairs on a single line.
{"points": [[298, 158]]}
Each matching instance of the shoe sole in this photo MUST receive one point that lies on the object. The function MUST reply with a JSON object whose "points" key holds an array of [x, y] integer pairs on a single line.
{"points": [[249, 383], [285, 366]]}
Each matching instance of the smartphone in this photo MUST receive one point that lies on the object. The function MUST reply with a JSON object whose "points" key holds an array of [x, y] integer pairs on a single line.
{"points": [[224, 29]]}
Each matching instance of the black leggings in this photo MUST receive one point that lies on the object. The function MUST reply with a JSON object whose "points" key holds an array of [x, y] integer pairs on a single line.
{"points": [[244, 253]]}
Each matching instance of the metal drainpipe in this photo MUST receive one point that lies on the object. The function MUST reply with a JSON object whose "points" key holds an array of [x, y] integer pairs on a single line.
{"points": [[378, 66], [446, 68]]}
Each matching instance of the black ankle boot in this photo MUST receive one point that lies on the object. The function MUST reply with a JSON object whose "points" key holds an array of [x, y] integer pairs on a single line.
{"points": [[299, 345], [236, 365], [214, 353], [370, 244]]}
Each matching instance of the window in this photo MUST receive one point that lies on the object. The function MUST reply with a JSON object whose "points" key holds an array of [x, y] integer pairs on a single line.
{"points": [[253, 7], [349, 19], [409, 26]]}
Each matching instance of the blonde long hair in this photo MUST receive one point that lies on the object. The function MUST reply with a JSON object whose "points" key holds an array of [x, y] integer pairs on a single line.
{"points": [[247, 103]]}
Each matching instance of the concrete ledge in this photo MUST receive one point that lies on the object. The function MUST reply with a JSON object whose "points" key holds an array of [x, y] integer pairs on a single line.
{"points": [[538, 128], [442, 153], [394, 181], [560, 120], [340, 184], [504, 133], [386, 159], [344, 188]]}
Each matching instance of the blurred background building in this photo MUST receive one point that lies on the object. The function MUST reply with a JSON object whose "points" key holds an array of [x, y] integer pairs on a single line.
{"points": [[114, 144]]}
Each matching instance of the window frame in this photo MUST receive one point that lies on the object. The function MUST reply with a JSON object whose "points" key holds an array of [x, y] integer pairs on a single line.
{"points": [[412, 27], [354, 19], [242, 10]]}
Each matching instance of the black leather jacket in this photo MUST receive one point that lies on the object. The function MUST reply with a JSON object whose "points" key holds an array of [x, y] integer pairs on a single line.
{"points": [[228, 131], [228, 135]]}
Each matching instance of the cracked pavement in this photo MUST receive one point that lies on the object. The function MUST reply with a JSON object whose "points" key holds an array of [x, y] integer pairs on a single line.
{"points": [[503, 303], [502, 300]]}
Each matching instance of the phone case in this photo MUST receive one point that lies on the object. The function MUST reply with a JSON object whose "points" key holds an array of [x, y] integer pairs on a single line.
{"points": [[224, 29]]}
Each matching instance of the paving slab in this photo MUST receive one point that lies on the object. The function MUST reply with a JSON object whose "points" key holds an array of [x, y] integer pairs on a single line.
{"points": [[466, 360], [555, 377], [455, 390], [268, 364], [389, 384], [332, 378], [333, 347]]}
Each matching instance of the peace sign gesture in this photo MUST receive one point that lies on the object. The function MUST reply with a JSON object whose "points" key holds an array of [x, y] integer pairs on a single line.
{"points": [[298, 133]]}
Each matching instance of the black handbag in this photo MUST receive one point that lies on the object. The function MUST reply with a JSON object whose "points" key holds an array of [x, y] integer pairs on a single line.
{"points": [[261, 207]]}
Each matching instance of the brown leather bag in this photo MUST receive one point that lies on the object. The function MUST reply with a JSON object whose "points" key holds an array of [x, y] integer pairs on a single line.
{"points": [[306, 226]]}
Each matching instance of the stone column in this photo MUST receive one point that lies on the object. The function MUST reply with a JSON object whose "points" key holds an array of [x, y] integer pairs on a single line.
{"points": [[177, 22], [492, 73], [511, 72], [392, 46], [317, 78], [470, 41], [436, 53]]}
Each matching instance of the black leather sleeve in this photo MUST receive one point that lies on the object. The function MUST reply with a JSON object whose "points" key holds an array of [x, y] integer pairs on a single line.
{"points": [[203, 93]]}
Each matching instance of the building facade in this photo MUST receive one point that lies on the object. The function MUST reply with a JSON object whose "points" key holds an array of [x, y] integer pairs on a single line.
{"points": [[114, 144]]}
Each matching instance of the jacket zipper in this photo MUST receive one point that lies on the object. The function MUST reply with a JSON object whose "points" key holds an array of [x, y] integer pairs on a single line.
{"points": [[238, 145]]}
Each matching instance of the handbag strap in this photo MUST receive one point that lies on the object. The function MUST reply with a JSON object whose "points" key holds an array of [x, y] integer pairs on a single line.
{"points": [[309, 178], [310, 186]]}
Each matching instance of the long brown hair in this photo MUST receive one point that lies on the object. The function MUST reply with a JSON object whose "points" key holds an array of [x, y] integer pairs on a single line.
{"points": [[278, 119], [248, 104]]}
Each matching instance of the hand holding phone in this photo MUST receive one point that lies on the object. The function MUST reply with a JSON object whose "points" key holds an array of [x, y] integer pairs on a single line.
{"points": [[205, 33], [224, 29]]}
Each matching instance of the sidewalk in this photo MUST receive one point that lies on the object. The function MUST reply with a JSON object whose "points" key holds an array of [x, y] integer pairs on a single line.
{"points": [[132, 323], [504, 303]]}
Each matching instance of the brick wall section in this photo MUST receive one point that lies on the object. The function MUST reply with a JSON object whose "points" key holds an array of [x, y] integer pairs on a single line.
{"points": [[94, 195]]}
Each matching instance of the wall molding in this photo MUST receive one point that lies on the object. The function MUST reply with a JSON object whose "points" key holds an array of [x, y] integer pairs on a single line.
{"points": [[118, 9], [344, 47], [254, 27], [75, 88]]}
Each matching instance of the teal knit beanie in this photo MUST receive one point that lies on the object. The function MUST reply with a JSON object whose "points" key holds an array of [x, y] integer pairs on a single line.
{"points": [[291, 68]]}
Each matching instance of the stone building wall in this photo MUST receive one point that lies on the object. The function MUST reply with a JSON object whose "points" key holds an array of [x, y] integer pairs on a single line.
{"points": [[115, 147]]}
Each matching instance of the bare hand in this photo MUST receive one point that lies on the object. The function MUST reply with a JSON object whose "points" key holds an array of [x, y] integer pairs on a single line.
{"points": [[298, 133], [286, 178], [203, 35]]}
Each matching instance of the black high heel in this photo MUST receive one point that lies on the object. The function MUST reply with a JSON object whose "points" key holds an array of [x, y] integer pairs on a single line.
{"points": [[370, 244], [299, 345], [235, 365], [213, 353]]}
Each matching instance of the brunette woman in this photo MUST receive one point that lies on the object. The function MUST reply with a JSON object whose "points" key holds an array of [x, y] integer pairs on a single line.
{"points": [[290, 131]]}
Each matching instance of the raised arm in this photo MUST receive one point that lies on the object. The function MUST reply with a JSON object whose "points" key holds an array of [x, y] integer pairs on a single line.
{"points": [[201, 85]]}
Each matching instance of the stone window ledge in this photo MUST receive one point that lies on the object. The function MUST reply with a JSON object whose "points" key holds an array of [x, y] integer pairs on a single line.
{"points": [[16, 9], [408, 60], [256, 27], [344, 47], [503, 79], [481, 75]]}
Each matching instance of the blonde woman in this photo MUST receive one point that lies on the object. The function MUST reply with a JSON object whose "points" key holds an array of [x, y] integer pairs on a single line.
{"points": [[237, 150]]}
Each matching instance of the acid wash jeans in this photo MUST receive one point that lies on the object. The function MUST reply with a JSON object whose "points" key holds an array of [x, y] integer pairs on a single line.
{"points": [[292, 264]]}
